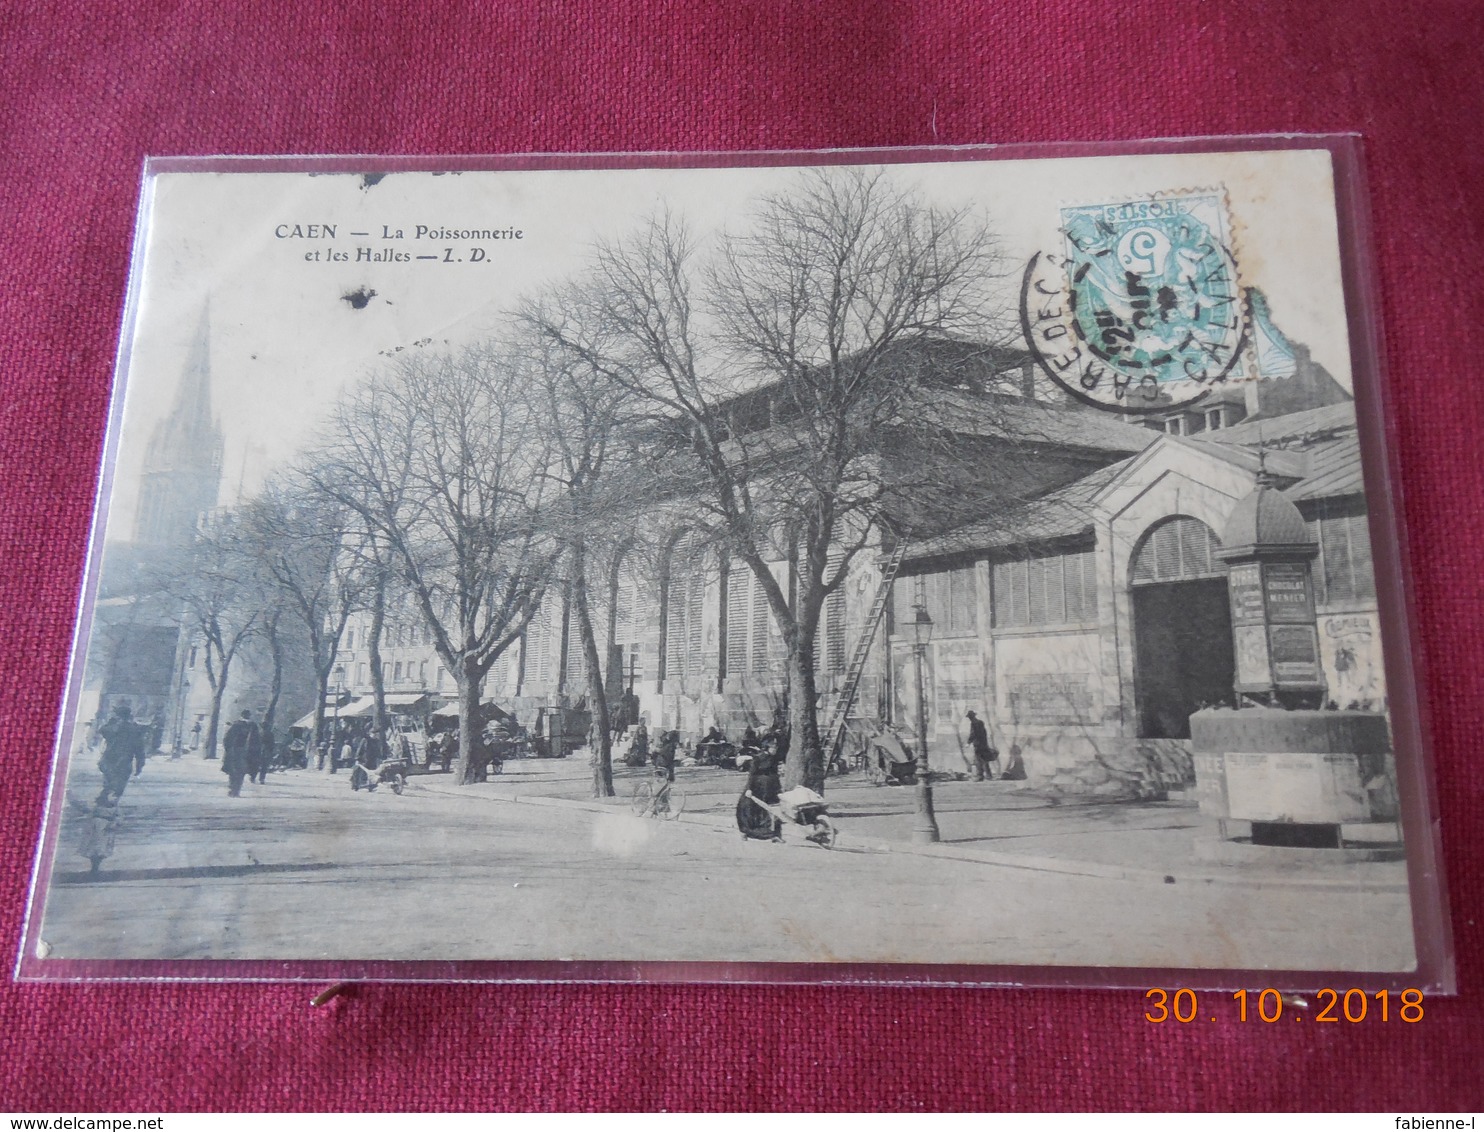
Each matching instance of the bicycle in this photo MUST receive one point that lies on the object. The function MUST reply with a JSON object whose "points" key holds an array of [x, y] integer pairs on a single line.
{"points": [[657, 797]]}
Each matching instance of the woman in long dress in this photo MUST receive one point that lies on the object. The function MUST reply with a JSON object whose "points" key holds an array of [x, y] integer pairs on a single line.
{"points": [[762, 783]]}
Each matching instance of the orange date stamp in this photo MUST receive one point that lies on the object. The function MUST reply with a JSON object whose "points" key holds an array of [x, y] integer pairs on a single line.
{"points": [[1267, 1005]]}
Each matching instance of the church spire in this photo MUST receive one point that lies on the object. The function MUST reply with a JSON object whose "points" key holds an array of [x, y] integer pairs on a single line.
{"points": [[183, 463]]}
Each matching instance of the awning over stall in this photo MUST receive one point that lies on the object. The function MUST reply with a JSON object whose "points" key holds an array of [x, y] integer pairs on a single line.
{"points": [[405, 699], [307, 721], [451, 711], [356, 708], [363, 706]]}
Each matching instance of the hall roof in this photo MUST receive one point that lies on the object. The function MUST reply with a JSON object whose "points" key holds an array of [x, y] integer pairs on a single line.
{"points": [[1334, 470], [1285, 465], [1064, 513], [1035, 422], [1325, 439], [1313, 454], [968, 388], [1293, 428]]}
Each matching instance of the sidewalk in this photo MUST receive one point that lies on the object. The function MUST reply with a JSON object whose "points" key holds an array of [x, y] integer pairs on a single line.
{"points": [[1002, 823]]}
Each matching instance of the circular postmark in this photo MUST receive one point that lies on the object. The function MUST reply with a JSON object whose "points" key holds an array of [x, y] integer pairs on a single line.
{"points": [[1141, 312]]}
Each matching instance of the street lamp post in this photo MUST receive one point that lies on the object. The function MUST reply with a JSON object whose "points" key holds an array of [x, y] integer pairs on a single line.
{"points": [[177, 741], [335, 725], [924, 823]]}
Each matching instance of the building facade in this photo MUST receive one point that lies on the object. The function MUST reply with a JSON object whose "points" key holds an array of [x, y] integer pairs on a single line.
{"points": [[1084, 624], [1087, 629]]}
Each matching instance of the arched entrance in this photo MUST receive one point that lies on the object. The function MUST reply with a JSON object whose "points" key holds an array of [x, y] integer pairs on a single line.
{"points": [[1182, 626]]}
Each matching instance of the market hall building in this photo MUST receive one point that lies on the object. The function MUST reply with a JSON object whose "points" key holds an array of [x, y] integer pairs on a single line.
{"points": [[1085, 625], [1088, 628]]}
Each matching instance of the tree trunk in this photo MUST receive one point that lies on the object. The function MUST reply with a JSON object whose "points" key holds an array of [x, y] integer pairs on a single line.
{"points": [[596, 692], [615, 683], [323, 666], [373, 648], [322, 679], [213, 722], [213, 725], [471, 741], [805, 766], [275, 688]]}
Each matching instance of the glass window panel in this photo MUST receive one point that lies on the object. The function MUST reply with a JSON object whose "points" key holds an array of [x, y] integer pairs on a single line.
{"points": [[545, 635], [1360, 556], [1166, 545], [961, 601], [1071, 566], [834, 626], [761, 616], [738, 617], [1316, 532], [1056, 604], [694, 617], [1334, 542], [1192, 543], [1036, 613], [675, 628], [999, 584]]}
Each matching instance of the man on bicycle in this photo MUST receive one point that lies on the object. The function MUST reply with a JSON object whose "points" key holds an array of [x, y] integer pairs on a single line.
{"points": [[664, 754]]}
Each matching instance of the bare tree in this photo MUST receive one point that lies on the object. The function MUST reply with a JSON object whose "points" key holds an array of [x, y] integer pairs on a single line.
{"points": [[219, 591], [376, 571], [303, 542], [271, 624], [439, 456], [837, 308], [590, 511]]}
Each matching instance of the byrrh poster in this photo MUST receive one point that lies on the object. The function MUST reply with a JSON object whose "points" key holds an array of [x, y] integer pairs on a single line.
{"points": [[780, 566]]}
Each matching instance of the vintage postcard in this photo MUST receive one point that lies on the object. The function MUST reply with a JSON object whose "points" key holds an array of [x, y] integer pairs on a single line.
{"points": [[941, 564]]}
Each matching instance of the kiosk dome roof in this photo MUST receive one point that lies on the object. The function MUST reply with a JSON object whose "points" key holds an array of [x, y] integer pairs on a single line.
{"points": [[1265, 519]]}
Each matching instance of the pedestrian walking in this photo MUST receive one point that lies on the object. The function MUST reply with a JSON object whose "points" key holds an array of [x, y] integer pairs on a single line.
{"points": [[123, 751], [240, 746], [156, 732], [449, 752], [366, 757], [986, 757], [258, 760]]}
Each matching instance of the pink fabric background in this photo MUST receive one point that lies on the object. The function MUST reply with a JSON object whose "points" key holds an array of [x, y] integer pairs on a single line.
{"points": [[88, 89]]}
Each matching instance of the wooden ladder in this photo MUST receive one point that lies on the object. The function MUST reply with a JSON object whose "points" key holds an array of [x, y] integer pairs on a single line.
{"points": [[834, 733]]}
